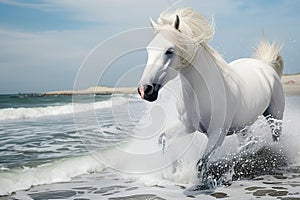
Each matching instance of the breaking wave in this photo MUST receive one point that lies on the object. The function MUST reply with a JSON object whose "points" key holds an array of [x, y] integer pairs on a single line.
{"points": [[35, 112]]}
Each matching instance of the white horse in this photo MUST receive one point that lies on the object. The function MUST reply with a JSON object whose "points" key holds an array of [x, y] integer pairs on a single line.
{"points": [[217, 98]]}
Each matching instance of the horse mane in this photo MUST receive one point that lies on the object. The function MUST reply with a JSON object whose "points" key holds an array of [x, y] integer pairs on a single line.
{"points": [[194, 31], [192, 24]]}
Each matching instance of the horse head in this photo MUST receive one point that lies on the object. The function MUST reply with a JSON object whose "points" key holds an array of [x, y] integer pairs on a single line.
{"points": [[163, 57]]}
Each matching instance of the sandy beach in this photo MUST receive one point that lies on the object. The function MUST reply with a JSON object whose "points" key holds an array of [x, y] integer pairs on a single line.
{"points": [[290, 82], [98, 90]]}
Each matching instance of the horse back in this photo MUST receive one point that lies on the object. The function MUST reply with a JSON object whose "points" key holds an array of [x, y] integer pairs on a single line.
{"points": [[252, 85]]}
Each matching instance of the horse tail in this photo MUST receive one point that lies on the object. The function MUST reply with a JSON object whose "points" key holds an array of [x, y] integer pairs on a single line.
{"points": [[269, 53]]}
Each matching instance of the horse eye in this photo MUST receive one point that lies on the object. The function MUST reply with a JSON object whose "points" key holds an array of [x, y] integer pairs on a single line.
{"points": [[169, 52]]}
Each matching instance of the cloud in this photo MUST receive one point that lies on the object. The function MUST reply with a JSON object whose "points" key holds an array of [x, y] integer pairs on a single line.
{"points": [[42, 59], [31, 48], [110, 11], [116, 11], [39, 6], [50, 60], [136, 10]]}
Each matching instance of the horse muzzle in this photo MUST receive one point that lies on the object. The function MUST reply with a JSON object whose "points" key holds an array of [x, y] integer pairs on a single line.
{"points": [[149, 92]]}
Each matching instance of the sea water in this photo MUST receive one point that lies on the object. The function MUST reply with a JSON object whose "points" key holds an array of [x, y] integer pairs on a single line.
{"points": [[107, 147]]}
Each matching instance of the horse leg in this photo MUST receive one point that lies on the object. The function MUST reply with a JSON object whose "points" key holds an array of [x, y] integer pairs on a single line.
{"points": [[275, 125], [205, 180], [175, 130], [274, 114], [208, 182]]}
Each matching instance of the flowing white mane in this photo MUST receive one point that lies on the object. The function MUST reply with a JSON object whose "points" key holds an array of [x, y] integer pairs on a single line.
{"points": [[193, 32], [192, 24]]}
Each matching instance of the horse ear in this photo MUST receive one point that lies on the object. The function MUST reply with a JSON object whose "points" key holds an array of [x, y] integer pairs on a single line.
{"points": [[153, 23], [177, 22]]}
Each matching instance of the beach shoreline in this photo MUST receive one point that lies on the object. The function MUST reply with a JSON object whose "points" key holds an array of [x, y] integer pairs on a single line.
{"points": [[290, 83], [97, 90]]}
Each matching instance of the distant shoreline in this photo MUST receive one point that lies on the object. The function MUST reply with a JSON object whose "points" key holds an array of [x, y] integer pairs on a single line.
{"points": [[290, 83], [97, 90]]}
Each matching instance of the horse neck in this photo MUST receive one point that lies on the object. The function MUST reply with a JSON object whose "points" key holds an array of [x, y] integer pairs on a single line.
{"points": [[201, 76], [206, 66]]}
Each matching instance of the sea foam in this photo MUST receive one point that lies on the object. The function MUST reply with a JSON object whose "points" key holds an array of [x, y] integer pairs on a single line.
{"points": [[35, 112], [59, 171]]}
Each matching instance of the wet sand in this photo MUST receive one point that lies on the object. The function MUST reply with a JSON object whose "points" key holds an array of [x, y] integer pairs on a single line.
{"points": [[280, 182], [108, 185]]}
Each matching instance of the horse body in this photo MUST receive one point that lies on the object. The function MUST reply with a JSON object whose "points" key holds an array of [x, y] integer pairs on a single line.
{"points": [[216, 98], [252, 87], [257, 81]]}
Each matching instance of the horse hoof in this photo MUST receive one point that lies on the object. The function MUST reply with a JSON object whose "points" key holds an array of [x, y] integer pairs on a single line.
{"points": [[199, 189], [162, 141], [275, 138]]}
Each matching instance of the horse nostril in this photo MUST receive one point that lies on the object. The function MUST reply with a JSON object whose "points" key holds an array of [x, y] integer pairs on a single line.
{"points": [[148, 89]]}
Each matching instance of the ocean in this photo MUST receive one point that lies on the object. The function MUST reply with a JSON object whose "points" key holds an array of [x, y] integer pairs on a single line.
{"points": [[107, 147]]}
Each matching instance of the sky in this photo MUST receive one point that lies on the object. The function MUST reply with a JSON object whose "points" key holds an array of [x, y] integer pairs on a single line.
{"points": [[45, 43]]}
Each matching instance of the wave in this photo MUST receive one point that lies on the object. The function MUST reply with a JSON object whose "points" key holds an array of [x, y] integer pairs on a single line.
{"points": [[58, 171], [35, 112]]}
